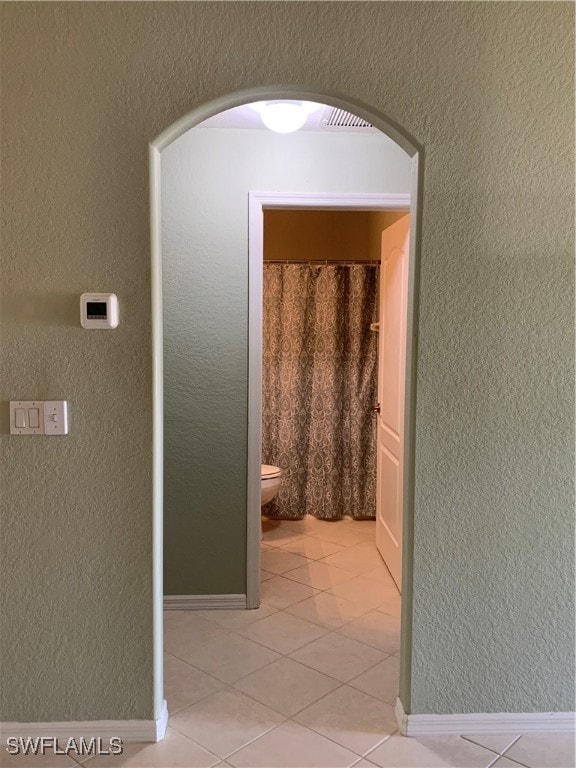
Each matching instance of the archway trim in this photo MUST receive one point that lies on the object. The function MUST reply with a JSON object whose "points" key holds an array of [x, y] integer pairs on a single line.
{"points": [[398, 134]]}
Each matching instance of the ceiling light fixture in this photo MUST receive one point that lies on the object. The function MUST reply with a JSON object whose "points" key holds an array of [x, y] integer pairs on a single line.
{"points": [[285, 116]]}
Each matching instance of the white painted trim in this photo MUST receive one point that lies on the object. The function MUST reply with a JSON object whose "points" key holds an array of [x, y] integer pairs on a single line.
{"points": [[162, 722], [204, 602], [257, 203], [254, 457], [263, 93], [484, 722], [157, 429], [327, 202], [401, 717], [127, 730]]}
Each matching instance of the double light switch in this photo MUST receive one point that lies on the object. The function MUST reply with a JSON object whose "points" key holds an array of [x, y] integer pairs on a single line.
{"points": [[39, 417]]}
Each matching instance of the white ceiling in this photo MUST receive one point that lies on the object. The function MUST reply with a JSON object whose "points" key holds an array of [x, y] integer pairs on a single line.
{"points": [[246, 117]]}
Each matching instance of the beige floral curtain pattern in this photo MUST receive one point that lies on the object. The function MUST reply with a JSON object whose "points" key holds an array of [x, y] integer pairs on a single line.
{"points": [[319, 381]]}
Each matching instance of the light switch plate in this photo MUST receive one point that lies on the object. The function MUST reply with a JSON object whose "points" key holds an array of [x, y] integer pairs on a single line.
{"points": [[55, 417], [38, 417], [20, 417]]}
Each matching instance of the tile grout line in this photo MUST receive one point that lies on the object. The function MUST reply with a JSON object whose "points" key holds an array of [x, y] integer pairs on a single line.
{"points": [[343, 548], [250, 741], [353, 574], [315, 531], [290, 719], [226, 682], [226, 631], [498, 755], [387, 654], [341, 683], [516, 740], [326, 590], [196, 743], [492, 762], [231, 686], [314, 537], [512, 759], [236, 630], [360, 755], [328, 632]]}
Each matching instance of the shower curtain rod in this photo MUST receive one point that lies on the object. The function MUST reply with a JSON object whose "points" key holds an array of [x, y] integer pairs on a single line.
{"points": [[323, 262]]}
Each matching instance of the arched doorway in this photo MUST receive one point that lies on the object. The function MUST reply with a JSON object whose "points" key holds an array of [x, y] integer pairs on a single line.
{"points": [[156, 147]]}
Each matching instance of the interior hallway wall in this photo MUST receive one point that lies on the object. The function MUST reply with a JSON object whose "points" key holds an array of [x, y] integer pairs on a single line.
{"points": [[207, 175], [487, 90]]}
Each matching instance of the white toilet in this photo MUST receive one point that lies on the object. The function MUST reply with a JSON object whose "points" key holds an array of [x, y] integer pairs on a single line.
{"points": [[270, 481]]}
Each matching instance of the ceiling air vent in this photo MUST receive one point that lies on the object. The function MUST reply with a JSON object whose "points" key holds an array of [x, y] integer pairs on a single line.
{"points": [[339, 118]]}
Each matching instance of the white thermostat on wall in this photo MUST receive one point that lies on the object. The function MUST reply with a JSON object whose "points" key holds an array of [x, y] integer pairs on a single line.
{"points": [[99, 310]]}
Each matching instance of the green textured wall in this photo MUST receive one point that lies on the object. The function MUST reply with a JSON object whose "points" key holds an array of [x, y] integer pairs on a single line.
{"points": [[206, 177], [487, 89]]}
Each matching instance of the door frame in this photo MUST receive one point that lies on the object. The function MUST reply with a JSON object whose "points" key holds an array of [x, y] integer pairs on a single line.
{"points": [[415, 151], [258, 202]]}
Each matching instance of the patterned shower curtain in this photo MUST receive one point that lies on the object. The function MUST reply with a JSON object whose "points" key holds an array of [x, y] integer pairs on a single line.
{"points": [[319, 381]]}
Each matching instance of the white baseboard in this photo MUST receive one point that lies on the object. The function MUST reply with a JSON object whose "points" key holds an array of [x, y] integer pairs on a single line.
{"points": [[484, 722], [127, 730], [203, 602]]}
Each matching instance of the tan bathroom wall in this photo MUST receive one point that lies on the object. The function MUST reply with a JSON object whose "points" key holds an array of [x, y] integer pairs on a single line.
{"points": [[377, 222], [316, 235]]}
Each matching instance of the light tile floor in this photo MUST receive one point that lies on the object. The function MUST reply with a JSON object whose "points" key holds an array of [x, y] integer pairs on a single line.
{"points": [[309, 679]]}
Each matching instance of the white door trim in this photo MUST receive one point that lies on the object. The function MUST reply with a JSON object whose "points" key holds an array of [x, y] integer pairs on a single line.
{"points": [[157, 331], [257, 203], [331, 202]]}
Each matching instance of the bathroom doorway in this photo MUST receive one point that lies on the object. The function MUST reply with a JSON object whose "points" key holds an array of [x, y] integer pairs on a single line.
{"points": [[210, 322], [204, 433], [372, 229], [203, 231]]}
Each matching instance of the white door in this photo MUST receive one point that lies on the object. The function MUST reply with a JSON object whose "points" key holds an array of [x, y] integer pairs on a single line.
{"points": [[391, 386]]}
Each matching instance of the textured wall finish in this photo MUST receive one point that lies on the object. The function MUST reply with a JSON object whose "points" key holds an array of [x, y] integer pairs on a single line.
{"points": [[206, 177], [487, 90]]}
